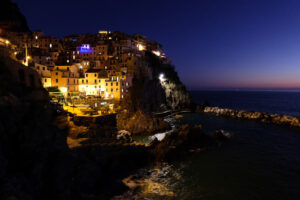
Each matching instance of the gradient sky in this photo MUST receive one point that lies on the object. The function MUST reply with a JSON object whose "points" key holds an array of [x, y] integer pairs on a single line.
{"points": [[212, 43]]}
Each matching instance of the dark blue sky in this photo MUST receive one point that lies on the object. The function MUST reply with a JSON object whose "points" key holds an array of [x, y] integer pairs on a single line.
{"points": [[212, 43]]}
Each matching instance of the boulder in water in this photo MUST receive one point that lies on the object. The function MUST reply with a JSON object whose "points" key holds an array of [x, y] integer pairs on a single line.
{"points": [[221, 135], [124, 136]]}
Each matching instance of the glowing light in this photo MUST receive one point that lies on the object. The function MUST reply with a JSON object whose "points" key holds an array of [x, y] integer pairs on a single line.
{"points": [[15, 53], [140, 47], [28, 57], [161, 76], [85, 48], [156, 53], [7, 42], [102, 32], [50, 45], [63, 89], [36, 37]]}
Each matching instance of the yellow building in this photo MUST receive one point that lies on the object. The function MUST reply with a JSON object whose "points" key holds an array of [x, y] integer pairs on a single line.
{"points": [[44, 73], [113, 88], [66, 78], [99, 83], [93, 82]]}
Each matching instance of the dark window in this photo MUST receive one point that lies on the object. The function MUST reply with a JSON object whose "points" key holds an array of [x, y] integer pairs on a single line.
{"points": [[82, 81], [86, 81], [95, 81], [56, 80], [111, 84], [86, 75], [56, 73], [43, 68]]}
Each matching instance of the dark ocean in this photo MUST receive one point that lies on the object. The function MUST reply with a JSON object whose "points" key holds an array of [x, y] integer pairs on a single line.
{"points": [[260, 161], [280, 102]]}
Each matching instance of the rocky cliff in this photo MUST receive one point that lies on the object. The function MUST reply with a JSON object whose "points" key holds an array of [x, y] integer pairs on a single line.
{"points": [[35, 161], [11, 19], [153, 94]]}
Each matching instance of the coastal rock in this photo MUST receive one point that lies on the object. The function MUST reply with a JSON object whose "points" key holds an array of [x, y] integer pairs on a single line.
{"points": [[262, 117], [141, 123], [179, 142], [124, 135], [221, 135]]}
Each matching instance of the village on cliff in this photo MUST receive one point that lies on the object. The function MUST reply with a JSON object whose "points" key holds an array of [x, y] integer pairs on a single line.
{"points": [[87, 74]]}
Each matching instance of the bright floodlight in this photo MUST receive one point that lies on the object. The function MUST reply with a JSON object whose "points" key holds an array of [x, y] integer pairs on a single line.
{"points": [[161, 76]]}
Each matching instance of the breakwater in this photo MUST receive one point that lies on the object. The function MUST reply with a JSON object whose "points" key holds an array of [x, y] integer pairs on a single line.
{"points": [[258, 116]]}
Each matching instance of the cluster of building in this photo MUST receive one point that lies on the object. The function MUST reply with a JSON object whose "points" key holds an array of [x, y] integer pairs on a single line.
{"points": [[101, 64]]}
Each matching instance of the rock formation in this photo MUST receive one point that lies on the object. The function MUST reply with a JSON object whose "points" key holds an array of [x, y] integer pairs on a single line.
{"points": [[11, 19], [262, 117], [150, 95]]}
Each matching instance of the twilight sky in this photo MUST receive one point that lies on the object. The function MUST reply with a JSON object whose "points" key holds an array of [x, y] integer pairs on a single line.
{"points": [[212, 43]]}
